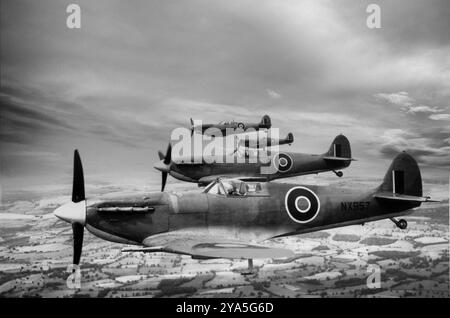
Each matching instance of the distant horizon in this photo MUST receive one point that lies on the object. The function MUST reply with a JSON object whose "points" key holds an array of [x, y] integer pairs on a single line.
{"points": [[437, 189]]}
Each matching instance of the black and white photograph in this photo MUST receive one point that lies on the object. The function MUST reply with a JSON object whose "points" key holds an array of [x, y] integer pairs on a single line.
{"points": [[224, 149]]}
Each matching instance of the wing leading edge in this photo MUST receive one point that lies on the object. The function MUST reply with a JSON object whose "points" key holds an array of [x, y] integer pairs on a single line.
{"points": [[338, 159], [211, 247]]}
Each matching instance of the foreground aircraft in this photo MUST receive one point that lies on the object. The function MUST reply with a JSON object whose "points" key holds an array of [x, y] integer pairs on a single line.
{"points": [[227, 127], [225, 218], [286, 164]]}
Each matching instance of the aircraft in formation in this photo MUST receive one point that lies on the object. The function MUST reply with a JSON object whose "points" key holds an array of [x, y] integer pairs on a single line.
{"points": [[286, 164], [265, 142], [234, 214], [225, 127]]}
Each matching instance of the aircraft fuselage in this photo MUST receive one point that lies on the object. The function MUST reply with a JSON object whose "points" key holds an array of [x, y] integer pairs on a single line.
{"points": [[276, 210], [297, 164]]}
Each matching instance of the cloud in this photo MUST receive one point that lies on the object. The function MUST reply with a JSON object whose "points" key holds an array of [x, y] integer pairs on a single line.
{"points": [[406, 103], [23, 122], [425, 109], [401, 99], [274, 95], [156, 64], [34, 117], [421, 146], [440, 117]]}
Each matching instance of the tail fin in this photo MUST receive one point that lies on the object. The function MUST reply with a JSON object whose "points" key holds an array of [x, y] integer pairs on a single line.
{"points": [[403, 177], [192, 126], [402, 184], [340, 148], [266, 122], [289, 138]]}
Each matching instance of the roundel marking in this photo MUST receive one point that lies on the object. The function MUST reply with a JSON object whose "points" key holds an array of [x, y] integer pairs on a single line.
{"points": [[282, 162], [302, 200], [241, 126], [302, 204]]}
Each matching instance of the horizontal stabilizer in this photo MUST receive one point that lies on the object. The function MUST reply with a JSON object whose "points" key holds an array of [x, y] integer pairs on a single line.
{"points": [[252, 179], [338, 159], [402, 197], [143, 249]]}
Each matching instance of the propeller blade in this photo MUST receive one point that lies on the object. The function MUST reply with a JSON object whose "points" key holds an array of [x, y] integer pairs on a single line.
{"points": [[78, 195], [78, 179], [163, 181], [168, 157], [78, 233]]}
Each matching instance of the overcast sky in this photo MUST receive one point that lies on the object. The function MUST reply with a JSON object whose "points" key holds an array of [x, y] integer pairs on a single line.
{"points": [[135, 70]]}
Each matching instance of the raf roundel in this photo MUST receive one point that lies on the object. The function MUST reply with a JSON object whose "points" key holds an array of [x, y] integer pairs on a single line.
{"points": [[302, 204], [282, 162]]}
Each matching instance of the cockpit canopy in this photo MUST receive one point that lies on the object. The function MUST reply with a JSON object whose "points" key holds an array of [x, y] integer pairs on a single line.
{"points": [[226, 122], [234, 187]]}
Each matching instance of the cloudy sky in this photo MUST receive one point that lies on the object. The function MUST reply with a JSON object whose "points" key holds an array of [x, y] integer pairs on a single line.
{"points": [[135, 70]]}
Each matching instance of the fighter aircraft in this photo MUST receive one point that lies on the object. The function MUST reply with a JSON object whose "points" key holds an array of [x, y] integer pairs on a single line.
{"points": [[286, 164], [256, 143], [224, 219], [228, 127]]}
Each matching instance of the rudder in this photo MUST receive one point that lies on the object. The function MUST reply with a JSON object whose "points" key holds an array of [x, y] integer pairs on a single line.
{"points": [[403, 177], [340, 148], [290, 138], [266, 122]]}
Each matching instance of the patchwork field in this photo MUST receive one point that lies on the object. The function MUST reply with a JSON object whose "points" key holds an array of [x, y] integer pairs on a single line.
{"points": [[35, 249]]}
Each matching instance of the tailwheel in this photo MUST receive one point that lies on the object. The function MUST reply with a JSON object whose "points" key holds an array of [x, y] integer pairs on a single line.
{"points": [[338, 173], [401, 224]]}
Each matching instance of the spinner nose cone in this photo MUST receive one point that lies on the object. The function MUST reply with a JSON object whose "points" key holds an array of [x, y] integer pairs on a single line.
{"points": [[72, 212], [161, 166]]}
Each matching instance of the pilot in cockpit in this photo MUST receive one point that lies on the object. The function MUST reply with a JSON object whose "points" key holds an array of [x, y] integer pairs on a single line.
{"points": [[234, 187], [228, 187]]}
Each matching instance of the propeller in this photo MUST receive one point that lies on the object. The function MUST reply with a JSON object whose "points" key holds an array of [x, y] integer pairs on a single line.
{"points": [[163, 180], [78, 195], [78, 179], [75, 211], [78, 233], [164, 165], [168, 156]]}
